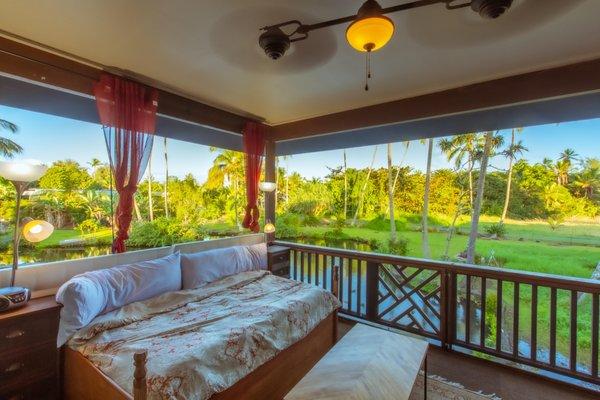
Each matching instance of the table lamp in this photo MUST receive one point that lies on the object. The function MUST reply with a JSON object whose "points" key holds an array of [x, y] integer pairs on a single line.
{"points": [[269, 230], [21, 173]]}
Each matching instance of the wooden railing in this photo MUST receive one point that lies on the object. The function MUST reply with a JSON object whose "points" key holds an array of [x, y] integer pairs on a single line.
{"points": [[545, 321]]}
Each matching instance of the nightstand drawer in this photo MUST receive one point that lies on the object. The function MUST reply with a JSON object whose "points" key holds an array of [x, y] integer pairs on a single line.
{"points": [[44, 389], [280, 257], [26, 367], [28, 331], [283, 271]]}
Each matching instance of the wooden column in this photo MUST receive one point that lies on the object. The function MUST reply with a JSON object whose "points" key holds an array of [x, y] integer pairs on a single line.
{"points": [[270, 176], [372, 306]]}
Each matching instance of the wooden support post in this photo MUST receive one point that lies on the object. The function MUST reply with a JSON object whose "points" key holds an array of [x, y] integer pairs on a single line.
{"points": [[140, 390], [335, 289], [372, 306], [270, 176], [335, 285]]}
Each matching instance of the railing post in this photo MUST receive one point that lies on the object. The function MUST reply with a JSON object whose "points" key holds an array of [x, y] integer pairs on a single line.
{"points": [[450, 306], [372, 291], [444, 311]]}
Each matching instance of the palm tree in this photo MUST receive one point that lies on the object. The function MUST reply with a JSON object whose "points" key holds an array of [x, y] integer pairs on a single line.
{"points": [[425, 214], [511, 152], [228, 165], [391, 193], [166, 189], [460, 147], [361, 195], [94, 163], [569, 155], [345, 187], [150, 205], [487, 149], [588, 180], [8, 148]]}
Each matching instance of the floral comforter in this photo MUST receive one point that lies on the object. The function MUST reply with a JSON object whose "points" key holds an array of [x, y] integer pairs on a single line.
{"points": [[202, 341]]}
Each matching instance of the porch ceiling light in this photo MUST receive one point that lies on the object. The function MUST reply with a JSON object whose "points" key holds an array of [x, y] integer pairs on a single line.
{"points": [[267, 186], [371, 30]]}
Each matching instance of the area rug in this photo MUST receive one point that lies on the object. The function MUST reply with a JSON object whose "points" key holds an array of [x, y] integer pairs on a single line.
{"points": [[439, 388]]}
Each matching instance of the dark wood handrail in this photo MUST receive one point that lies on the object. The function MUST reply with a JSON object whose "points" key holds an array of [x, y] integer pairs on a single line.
{"points": [[424, 297], [537, 278]]}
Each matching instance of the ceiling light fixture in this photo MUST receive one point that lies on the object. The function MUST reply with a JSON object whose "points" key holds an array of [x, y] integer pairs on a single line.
{"points": [[369, 29]]}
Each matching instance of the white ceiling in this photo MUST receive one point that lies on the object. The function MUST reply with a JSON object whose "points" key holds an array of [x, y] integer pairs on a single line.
{"points": [[208, 49]]}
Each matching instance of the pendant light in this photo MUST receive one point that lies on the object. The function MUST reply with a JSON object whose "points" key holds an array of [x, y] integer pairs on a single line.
{"points": [[370, 31]]}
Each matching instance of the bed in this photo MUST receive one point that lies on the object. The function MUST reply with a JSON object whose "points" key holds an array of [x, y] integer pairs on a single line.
{"points": [[250, 335]]}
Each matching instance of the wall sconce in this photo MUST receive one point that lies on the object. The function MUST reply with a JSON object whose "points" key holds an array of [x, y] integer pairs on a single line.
{"points": [[267, 186]]}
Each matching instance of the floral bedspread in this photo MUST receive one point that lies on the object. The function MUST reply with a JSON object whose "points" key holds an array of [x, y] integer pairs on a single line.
{"points": [[202, 341]]}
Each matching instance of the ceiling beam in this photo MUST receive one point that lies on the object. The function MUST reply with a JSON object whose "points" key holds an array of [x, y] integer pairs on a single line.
{"points": [[529, 87], [47, 68]]}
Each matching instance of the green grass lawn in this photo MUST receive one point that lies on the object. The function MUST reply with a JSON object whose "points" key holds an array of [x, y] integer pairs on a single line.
{"points": [[65, 234], [578, 261]]}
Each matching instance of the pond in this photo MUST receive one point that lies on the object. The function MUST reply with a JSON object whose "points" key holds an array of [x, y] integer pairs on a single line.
{"points": [[30, 255]]}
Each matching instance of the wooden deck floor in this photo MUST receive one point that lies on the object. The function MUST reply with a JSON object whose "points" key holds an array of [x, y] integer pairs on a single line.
{"points": [[505, 382]]}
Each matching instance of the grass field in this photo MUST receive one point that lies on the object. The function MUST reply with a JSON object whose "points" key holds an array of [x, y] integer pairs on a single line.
{"points": [[67, 234], [534, 256], [572, 250]]}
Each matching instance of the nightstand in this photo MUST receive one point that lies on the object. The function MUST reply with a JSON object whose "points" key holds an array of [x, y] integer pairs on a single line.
{"points": [[279, 260], [29, 359]]}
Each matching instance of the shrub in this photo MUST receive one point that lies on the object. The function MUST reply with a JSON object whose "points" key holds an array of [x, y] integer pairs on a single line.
{"points": [[287, 225], [555, 222], [398, 247], [161, 232], [88, 226], [498, 230], [381, 223]]}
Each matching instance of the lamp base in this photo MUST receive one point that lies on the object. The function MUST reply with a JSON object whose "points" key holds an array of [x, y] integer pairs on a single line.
{"points": [[13, 297]]}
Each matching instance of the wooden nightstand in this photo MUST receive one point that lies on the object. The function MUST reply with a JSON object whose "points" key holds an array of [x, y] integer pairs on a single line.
{"points": [[279, 260], [29, 359]]}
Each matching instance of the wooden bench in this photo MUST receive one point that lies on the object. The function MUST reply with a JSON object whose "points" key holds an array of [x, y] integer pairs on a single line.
{"points": [[367, 363]]}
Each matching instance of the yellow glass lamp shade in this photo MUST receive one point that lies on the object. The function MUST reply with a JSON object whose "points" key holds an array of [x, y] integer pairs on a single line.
{"points": [[371, 33], [37, 230], [269, 228]]}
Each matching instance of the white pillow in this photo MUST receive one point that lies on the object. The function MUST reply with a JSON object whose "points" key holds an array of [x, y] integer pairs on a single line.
{"points": [[210, 265], [258, 255], [90, 294]]}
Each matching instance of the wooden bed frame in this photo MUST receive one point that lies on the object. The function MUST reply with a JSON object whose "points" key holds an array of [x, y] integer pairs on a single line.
{"points": [[271, 381]]}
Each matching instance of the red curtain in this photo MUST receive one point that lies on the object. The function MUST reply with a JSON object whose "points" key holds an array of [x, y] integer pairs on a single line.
{"points": [[254, 148], [128, 116]]}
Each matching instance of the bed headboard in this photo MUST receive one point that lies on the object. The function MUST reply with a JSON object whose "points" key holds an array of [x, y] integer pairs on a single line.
{"points": [[45, 278]]}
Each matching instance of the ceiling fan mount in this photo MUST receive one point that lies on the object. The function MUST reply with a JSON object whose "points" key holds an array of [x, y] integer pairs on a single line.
{"points": [[490, 8]]}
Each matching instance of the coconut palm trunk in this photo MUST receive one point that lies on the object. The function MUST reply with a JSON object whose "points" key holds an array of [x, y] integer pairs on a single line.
{"points": [[489, 137], [393, 236], [425, 214], [508, 178], [345, 187], [166, 189], [361, 195], [150, 205]]}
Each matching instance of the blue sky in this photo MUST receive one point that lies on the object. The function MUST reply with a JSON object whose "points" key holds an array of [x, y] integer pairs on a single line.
{"points": [[49, 138]]}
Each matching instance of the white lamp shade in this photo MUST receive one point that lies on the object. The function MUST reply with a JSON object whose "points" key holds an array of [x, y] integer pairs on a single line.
{"points": [[22, 170], [37, 230], [269, 228], [267, 186]]}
